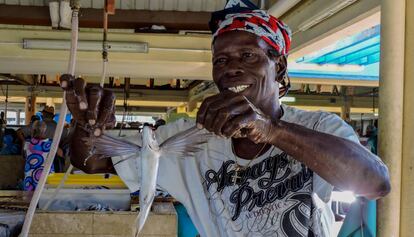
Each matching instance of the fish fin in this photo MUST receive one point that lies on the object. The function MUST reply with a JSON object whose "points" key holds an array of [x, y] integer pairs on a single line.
{"points": [[186, 143], [110, 146], [123, 160]]}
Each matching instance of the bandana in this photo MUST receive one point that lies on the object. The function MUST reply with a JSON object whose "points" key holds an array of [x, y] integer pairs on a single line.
{"points": [[243, 15]]}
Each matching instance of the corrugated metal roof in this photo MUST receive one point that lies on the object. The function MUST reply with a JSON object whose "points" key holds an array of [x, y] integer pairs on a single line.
{"points": [[153, 5]]}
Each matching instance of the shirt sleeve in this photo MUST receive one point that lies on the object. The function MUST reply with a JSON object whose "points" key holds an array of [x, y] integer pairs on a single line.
{"points": [[334, 125]]}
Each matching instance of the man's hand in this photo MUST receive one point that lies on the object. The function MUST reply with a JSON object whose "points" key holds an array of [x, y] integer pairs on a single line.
{"points": [[230, 114], [93, 109]]}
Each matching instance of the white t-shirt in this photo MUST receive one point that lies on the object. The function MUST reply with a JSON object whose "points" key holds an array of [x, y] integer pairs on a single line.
{"points": [[277, 196]]}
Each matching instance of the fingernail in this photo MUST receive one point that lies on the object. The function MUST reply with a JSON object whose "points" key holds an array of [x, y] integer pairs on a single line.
{"points": [[199, 126], [83, 105], [92, 121], [97, 132]]}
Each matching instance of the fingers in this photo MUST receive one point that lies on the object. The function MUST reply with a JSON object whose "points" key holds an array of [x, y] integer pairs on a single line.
{"points": [[240, 125], [225, 114], [110, 123], [95, 94], [72, 101], [66, 81], [92, 105], [79, 88], [211, 105], [106, 115]]}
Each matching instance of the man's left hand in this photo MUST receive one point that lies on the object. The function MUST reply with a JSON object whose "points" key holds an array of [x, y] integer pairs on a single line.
{"points": [[230, 114]]}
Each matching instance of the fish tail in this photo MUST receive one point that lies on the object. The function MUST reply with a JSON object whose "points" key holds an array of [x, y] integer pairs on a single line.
{"points": [[139, 222]]}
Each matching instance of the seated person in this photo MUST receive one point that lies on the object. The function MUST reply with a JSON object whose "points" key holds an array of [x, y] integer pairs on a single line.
{"points": [[11, 145], [36, 151], [24, 133]]}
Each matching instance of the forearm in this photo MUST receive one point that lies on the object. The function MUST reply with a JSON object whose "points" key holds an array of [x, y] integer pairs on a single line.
{"points": [[20, 136], [343, 163]]}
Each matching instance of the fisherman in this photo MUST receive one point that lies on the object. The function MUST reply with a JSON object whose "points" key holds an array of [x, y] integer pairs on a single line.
{"points": [[271, 168]]}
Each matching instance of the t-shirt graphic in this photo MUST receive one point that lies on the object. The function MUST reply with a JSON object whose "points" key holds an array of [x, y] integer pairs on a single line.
{"points": [[271, 197]]}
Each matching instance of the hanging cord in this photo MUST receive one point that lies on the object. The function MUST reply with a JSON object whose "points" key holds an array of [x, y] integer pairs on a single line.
{"points": [[59, 127], [105, 48]]}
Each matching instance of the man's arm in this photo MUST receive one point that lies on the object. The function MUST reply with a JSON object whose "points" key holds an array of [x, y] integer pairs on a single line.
{"points": [[341, 162], [21, 136]]}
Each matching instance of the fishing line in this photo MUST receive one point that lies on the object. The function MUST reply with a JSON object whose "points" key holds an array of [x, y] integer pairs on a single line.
{"points": [[102, 82]]}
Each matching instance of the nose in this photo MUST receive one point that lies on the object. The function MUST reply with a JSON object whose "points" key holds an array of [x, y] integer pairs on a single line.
{"points": [[233, 69]]}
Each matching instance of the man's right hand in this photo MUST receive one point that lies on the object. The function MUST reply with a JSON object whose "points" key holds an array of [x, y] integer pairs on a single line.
{"points": [[93, 109]]}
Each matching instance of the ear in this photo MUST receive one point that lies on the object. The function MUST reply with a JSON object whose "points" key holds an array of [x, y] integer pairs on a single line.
{"points": [[281, 68]]}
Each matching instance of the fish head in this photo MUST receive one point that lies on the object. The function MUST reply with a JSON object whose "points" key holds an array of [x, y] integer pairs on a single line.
{"points": [[148, 139]]}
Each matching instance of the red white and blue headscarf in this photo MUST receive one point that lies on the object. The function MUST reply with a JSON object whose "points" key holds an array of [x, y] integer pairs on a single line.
{"points": [[242, 15]]}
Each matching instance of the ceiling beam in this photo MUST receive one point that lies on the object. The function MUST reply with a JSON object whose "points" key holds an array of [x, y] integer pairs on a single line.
{"points": [[123, 19], [355, 18], [138, 97]]}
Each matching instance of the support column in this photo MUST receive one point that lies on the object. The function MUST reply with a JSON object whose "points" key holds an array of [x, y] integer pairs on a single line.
{"points": [[407, 186], [30, 107], [18, 116], [391, 103]]}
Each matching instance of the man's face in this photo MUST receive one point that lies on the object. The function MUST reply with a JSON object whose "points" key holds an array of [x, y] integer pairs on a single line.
{"points": [[241, 63]]}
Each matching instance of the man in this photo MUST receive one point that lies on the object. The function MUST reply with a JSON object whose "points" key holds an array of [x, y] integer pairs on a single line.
{"points": [[3, 124], [48, 113], [271, 168]]}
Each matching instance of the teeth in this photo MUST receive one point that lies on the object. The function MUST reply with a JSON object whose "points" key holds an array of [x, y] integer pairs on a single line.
{"points": [[238, 89]]}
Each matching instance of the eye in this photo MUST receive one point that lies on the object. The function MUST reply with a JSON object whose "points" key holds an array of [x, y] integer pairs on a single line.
{"points": [[220, 60], [247, 55]]}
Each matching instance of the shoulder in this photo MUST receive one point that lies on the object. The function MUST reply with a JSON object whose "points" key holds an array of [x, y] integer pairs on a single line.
{"points": [[320, 121], [309, 119]]}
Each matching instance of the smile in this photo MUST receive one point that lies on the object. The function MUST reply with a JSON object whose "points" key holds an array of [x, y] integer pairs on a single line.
{"points": [[238, 89]]}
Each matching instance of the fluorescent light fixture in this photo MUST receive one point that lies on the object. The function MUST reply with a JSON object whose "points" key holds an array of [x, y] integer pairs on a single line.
{"points": [[292, 65], [329, 11], [87, 45], [288, 99]]}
